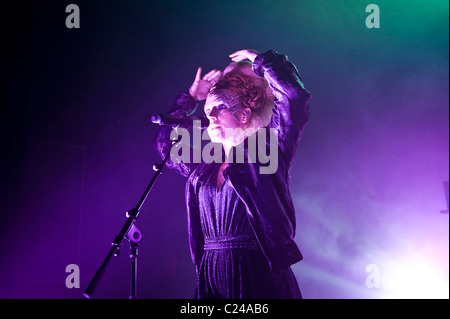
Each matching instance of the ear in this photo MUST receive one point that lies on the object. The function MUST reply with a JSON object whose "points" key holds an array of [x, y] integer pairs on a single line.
{"points": [[246, 115]]}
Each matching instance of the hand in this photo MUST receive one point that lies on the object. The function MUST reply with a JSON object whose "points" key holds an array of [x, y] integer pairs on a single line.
{"points": [[244, 54], [199, 89]]}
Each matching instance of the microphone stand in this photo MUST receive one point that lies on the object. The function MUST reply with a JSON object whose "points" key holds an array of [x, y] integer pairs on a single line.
{"points": [[130, 233]]}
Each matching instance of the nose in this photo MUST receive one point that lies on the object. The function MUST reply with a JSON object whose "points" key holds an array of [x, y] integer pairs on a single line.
{"points": [[213, 113]]}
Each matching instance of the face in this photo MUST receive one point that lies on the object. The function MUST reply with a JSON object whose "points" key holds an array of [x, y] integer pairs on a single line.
{"points": [[222, 121]]}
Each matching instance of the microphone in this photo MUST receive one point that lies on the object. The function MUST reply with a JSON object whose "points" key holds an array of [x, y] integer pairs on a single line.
{"points": [[180, 121]]}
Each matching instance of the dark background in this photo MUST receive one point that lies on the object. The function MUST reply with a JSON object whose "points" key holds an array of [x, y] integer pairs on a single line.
{"points": [[368, 178]]}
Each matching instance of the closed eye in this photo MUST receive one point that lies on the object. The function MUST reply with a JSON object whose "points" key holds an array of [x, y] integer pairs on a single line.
{"points": [[219, 107]]}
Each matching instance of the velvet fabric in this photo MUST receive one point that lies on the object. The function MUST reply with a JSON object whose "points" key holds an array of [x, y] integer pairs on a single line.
{"points": [[249, 206]]}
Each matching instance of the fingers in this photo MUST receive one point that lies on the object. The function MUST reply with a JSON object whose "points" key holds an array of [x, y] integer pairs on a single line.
{"points": [[240, 52], [198, 74], [216, 77], [240, 55], [212, 75]]}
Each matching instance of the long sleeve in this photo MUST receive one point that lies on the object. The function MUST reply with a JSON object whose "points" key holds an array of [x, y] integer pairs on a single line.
{"points": [[267, 197], [184, 105], [291, 110]]}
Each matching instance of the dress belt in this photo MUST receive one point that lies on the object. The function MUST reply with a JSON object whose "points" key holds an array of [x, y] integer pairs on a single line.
{"points": [[219, 245]]}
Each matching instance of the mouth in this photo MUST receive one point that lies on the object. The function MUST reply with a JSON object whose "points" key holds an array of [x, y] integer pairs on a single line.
{"points": [[214, 127]]}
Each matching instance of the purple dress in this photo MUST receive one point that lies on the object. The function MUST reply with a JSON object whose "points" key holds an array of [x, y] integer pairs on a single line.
{"points": [[233, 266], [241, 235]]}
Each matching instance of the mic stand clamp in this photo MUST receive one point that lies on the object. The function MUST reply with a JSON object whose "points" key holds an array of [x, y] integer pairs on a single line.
{"points": [[134, 237], [128, 232]]}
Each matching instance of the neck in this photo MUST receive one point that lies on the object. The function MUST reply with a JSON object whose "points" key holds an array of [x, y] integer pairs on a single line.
{"points": [[229, 144], [227, 148], [237, 138]]}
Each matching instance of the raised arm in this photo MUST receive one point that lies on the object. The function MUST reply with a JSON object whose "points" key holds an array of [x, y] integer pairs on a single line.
{"points": [[185, 105], [291, 110]]}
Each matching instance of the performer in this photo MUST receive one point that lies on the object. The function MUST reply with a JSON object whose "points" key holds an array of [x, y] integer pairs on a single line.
{"points": [[241, 223]]}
